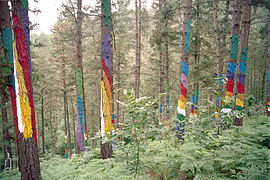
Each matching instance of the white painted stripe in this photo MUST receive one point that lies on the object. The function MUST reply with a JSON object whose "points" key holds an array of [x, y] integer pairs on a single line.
{"points": [[181, 111], [102, 123], [19, 111]]}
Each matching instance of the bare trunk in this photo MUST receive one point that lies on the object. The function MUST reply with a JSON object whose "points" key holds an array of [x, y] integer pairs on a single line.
{"points": [[51, 129], [74, 128], [138, 47], [68, 131], [42, 123], [268, 98]]}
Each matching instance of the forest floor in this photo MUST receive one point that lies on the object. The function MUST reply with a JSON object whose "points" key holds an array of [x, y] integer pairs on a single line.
{"points": [[237, 153]]}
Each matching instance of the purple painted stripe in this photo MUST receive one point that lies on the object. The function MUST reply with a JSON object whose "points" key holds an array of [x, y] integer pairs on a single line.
{"points": [[242, 78], [230, 75], [106, 50], [184, 80]]}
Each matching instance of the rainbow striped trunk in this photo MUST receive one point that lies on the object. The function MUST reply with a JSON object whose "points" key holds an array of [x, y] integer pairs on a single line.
{"points": [[181, 109], [16, 42]]}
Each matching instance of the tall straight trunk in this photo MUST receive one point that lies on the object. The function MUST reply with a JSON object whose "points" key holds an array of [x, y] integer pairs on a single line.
{"points": [[268, 97], [4, 24], [235, 32], [225, 23], [29, 164], [241, 77], [106, 123], [51, 129], [219, 57], [68, 130], [181, 109], [167, 65], [160, 63], [137, 47], [42, 123], [118, 92], [79, 74], [197, 57], [65, 115]]}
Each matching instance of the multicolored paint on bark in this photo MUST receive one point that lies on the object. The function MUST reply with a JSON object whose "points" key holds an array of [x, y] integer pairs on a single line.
{"points": [[107, 117], [233, 55], [181, 109]]}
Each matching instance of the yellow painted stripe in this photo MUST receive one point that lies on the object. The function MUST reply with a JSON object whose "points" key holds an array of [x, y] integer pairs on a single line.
{"points": [[24, 101], [106, 110], [182, 102], [239, 102]]}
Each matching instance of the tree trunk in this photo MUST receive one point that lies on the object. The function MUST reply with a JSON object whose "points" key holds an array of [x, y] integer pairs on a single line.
{"points": [[51, 129], [167, 65], [233, 53], [268, 98], [137, 47], [42, 123], [219, 57], [79, 74], [29, 165], [160, 74], [106, 79], [241, 77], [68, 129], [181, 109], [65, 115]]}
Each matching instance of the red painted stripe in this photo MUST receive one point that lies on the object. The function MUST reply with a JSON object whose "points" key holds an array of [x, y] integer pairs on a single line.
{"points": [[23, 59], [230, 85], [240, 88], [183, 91], [14, 109], [106, 71]]}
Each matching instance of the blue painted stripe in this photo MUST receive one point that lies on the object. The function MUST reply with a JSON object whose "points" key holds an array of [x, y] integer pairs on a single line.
{"points": [[231, 67], [80, 108], [185, 68], [242, 67], [269, 77]]}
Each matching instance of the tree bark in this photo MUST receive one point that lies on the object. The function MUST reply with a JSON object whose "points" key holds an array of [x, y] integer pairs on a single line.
{"points": [[238, 121], [42, 123], [137, 47], [233, 53], [29, 164], [68, 129], [268, 97], [106, 79], [79, 73]]}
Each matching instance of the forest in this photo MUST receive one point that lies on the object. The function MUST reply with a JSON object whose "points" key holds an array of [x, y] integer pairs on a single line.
{"points": [[136, 89]]}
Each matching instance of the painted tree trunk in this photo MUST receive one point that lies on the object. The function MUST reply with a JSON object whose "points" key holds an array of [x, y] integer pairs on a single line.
{"points": [[160, 64], [241, 77], [233, 55], [79, 75], [268, 97], [18, 49], [181, 109], [5, 24], [106, 120]]}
